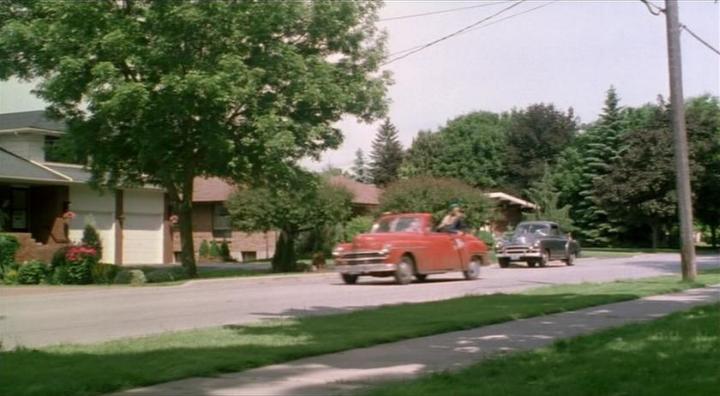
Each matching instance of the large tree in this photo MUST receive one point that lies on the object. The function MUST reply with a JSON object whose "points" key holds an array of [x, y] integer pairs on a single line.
{"points": [[163, 91], [386, 155], [469, 148], [536, 135], [301, 203], [600, 152], [547, 198]]}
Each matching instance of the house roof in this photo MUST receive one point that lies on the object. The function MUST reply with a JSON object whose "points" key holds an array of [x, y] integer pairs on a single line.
{"points": [[15, 167], [363, 194], [30, 120], [211, 189], [509, 199]]}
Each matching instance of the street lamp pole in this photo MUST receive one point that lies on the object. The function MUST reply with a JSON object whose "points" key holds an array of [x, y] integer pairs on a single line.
{"points": [[682, 168]]}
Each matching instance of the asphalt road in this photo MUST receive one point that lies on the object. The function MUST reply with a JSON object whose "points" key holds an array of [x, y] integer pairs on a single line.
{"points": [[49, 315]]}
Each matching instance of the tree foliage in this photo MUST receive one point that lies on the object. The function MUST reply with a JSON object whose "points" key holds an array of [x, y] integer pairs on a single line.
{"points": [[360, 169], [544, 194], [469, 148], [386, 155], [536, 135], [305, 203], [160, 92], [435, 195]]}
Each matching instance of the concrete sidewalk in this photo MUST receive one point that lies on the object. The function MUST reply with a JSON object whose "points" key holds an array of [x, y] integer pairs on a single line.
{"points": [[343, 372]]}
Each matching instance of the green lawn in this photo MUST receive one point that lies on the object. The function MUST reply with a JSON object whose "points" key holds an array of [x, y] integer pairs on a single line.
{"points": [[676, 355], [100, 368]]}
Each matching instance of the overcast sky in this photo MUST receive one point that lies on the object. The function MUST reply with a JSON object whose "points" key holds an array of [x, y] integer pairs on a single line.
{"points": [[567, 53]]}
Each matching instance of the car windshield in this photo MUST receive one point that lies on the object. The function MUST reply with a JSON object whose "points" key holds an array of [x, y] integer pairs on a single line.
{"points": [[397, 224], [537, 229]]}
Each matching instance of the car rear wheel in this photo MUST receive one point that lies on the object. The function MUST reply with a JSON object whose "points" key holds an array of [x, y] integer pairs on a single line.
{"points": [[349, 279], [545, 259], [404, 270], [504, 262], [473, 269], [570, 260]]}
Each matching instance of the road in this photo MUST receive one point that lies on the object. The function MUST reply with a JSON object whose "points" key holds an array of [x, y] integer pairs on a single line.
{"points": [[41, 316]]}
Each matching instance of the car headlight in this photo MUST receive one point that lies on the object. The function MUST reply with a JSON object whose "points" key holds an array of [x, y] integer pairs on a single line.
{"points": [[499, 245], [536, 244], [338, 250]]}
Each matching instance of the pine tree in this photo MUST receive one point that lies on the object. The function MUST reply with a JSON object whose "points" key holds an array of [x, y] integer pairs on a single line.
{"points": [[386, 156], [544, 194], [601, 151], [360, 171]]}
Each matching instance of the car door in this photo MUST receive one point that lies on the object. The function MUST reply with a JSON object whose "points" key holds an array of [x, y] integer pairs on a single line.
{"points": [[443, 250], [556, 242]]}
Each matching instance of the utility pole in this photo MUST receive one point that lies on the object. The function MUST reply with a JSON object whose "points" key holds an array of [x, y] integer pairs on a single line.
{"points": [[682, 168]]}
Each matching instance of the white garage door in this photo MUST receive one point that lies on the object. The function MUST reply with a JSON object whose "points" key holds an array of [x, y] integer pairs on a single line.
{"points": [[142, 227]]}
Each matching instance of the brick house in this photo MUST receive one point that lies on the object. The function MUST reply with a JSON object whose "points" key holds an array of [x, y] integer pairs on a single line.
{"points": [[36, 194]]}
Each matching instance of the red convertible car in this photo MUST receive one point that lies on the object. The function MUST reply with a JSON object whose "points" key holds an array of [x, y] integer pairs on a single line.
{"points": [[406, 246]]}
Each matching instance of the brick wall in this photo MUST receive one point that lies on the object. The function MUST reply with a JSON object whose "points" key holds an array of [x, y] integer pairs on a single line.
{"points": [[262, 244]]}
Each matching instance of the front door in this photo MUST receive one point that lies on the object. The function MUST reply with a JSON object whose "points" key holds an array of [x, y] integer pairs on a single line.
{"points": [[19, 217]]}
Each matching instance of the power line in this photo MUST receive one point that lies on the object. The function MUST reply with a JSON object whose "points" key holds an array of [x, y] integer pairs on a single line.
{"points": [[698, 38], [409, 52], [438, 12], [513, 15], [656, 10]]}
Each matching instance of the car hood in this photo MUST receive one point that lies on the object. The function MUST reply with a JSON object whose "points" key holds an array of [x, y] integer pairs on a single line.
{"points": [[522, 239]]}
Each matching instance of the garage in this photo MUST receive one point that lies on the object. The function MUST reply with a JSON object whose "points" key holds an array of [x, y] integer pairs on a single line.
{"points": [[142, 232]]}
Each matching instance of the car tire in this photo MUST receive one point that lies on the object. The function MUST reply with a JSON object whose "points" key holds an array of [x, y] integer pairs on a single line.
{"points": [[545, 258], [570, 260], [404, 271], [473, 269], [421, 277], [531, 263], [503, 262], [349, 279]]}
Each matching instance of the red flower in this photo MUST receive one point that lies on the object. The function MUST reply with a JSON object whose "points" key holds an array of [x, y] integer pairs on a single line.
{"points": [[78, 254]]}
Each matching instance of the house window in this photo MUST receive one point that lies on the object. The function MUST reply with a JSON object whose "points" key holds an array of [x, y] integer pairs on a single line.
{"points": [[249, 256], [221, 222]]}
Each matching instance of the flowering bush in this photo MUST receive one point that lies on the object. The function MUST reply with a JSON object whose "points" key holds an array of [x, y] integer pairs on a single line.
{"points": [[79, 261]]}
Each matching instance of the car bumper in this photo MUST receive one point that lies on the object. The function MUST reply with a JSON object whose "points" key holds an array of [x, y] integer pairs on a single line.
{"points": [[519, 256], [360, 269]]}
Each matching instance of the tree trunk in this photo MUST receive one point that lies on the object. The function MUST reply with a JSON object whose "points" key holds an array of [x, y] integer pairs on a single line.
{"points": [[655, 231], [713, 236], [284, 259], [185, 207]]}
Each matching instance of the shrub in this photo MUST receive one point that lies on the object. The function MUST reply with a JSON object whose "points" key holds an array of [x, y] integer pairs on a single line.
{"points": [[58, 258], [130, 277], [357, 225], [9, 245], [487, 237], [79, 261], [166, 275], [91, 238], [10, 277], [104, 273], [32, 273], [214, 250], [204, 250], [225, 251], [59, 275]]}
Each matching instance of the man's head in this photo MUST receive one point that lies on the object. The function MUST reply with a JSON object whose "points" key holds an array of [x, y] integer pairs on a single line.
{"points": [[455, 209]]}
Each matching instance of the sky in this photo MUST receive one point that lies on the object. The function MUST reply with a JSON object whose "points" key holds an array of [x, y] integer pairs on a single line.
{"points": [[567, 53]]}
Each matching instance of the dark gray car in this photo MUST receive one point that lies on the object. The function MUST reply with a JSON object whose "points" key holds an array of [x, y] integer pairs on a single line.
{"points": [[537, 243]]}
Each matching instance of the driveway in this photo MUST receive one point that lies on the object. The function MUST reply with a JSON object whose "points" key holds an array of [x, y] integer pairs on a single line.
{"points": [[51, 315]]}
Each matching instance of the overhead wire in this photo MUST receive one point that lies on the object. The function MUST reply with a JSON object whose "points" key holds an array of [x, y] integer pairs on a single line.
{"points": [[408, 52], [400, 17], [657, 10]]}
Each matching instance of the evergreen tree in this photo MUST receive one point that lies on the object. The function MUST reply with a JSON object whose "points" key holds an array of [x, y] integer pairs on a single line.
{"points": [[360, 171], [547, 198], [600, 152], [387, 155]]}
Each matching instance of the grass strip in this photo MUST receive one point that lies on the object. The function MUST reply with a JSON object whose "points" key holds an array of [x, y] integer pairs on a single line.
{"points": [[126, 363], [675, 355]]}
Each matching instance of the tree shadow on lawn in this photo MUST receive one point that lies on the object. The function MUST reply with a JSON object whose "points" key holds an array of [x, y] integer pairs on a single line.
{"points": [[127, 363]]}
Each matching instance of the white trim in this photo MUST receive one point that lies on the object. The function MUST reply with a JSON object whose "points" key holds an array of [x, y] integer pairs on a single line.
{"points": [[74, 166], [31, 130], [51, 170], [507, 197]]}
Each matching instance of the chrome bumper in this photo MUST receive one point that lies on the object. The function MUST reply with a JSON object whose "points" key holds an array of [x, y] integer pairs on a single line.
{"points": [[519, 256], [359, 269]]}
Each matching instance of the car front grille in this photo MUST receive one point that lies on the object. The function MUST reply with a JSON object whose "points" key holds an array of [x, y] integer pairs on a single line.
{"points": [[365, 257], [516, 249]]}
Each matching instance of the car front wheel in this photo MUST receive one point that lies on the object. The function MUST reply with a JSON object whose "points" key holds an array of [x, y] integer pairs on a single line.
{"points": [[545, 259], [504, 262], [349, 279], [570, 260], [473, 269], [404, 271]]}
